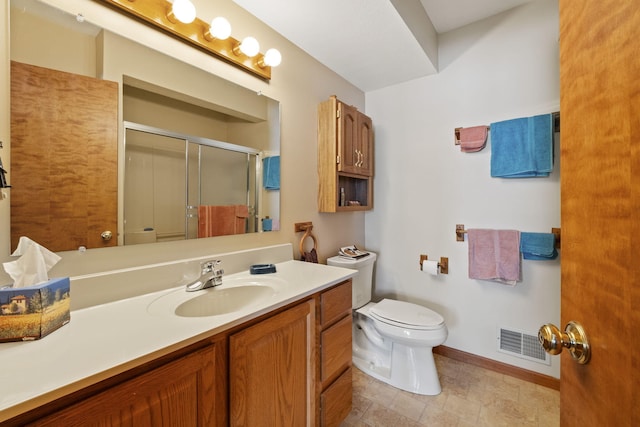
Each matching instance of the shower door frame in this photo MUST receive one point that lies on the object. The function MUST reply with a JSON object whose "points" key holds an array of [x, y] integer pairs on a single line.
{"points": [[254, 209]]}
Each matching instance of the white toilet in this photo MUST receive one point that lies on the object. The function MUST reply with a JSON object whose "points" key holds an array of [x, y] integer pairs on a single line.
{"points": [[393, 340]]}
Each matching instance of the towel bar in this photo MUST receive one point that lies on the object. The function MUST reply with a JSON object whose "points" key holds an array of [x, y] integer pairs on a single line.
{"points": [[460, 232], [556, 127]]}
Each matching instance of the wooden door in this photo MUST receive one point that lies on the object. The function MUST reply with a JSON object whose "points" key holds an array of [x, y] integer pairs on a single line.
{"points": [[600, 183], [64, 166], [272, 369]]}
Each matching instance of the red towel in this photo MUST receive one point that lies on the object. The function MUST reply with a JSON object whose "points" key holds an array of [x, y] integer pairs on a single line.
{"points": [[473, 139], [494, 255], [222, 220]]}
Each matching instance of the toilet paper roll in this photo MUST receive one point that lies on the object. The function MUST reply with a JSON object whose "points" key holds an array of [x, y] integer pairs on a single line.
{"points": [[430, 267]]}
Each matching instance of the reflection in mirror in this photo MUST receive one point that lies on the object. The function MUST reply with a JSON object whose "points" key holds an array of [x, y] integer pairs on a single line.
{"points": [[180, 187], [158, 91]]}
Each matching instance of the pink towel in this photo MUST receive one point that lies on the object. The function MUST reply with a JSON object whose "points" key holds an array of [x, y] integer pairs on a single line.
{"points": [[473, 139], [221, 220], [494, 255]]}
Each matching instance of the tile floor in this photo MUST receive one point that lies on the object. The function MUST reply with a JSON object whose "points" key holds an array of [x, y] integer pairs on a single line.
{"points": [[471, 396]]}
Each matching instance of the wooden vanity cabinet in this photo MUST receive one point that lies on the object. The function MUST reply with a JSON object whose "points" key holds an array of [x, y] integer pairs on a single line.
{"points": [[182, 392], [345, 158], [271, 370], [290, 367], [335, 376]]}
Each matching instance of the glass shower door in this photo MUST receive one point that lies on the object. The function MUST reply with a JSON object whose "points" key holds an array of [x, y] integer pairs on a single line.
{"points": [[154, 188], [170, 179]]}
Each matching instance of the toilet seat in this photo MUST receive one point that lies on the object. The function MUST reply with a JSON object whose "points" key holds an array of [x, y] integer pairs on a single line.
{"points": [[406, 315]]}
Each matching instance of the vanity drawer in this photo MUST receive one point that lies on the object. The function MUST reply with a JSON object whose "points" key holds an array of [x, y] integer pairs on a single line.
{"points": [[335, 350], [336, 401], [335, 303]]}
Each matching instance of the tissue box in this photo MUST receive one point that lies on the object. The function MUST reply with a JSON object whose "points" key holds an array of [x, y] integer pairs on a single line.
{"points": [[33, 312]]}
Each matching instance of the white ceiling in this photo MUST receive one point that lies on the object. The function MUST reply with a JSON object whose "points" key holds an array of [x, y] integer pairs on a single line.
{"points": [[373, 43]]}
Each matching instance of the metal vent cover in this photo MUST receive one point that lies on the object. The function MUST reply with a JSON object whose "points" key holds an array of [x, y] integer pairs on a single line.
{"points": [[523, 345]]}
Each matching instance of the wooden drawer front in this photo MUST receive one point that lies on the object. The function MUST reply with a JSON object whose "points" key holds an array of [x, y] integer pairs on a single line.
{"points": [[335, 350], [336, 401], [335, 303]]}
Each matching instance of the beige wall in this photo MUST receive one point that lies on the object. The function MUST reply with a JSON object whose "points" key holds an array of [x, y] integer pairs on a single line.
{"points": [[5, 240], [300, 83]]}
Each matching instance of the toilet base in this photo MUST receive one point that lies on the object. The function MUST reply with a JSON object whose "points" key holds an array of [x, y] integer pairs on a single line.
{"points": [[407, 368]]}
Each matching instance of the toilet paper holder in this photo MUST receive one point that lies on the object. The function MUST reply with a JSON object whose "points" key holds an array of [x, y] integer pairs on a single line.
{"points": [[443, 264]]}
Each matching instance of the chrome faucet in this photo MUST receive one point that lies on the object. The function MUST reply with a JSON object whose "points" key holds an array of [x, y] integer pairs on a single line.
{"points": [[210, 276]]}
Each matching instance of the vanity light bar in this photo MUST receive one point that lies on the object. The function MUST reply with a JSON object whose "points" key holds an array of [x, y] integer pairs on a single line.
{"points": [[157, 13]]}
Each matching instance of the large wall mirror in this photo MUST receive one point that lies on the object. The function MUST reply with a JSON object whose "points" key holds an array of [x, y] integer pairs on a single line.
{"points": [[197, 156]]}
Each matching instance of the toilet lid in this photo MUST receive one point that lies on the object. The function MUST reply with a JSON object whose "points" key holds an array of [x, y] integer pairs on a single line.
{"points": [[412, 315]]}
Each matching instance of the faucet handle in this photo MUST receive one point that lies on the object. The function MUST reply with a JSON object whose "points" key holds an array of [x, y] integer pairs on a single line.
{"points": [[208, 266]]}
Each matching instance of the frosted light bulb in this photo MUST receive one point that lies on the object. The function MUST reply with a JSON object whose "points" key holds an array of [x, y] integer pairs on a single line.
{"points": [[250, 46], [220, 28], [184, 11], [272, 57]]}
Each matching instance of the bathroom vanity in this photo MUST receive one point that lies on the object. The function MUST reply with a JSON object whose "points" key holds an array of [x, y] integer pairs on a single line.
{"points": [[281, 359]]}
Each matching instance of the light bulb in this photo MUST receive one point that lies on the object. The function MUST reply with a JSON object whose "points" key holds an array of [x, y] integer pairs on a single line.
{"points": [[183, 10], [272, 57], [220, 29], [250, 46]]}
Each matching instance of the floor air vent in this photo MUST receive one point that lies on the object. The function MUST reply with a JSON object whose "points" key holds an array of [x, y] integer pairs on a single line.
{"points": [[522, 345]]}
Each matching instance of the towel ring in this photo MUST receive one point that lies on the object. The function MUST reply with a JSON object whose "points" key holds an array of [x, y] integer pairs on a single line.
{"points": [[308, 233]]}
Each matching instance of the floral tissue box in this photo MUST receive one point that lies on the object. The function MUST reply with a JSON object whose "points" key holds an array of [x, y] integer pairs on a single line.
{"points": [[33, 312]]}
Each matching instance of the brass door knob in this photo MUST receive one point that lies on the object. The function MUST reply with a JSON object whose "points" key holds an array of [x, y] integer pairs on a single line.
{"points": [[574, 338], [106, 235]]}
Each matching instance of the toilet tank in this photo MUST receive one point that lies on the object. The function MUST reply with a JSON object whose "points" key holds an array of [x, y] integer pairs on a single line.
{"points": [[363, 281]]}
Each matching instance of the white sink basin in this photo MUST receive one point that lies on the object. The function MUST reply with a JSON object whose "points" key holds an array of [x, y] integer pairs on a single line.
{"points": [[224, 300], [232, 296]]}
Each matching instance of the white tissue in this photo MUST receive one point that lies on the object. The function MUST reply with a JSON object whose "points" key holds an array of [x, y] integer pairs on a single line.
{"points": [[430, 267], [33, 265]]}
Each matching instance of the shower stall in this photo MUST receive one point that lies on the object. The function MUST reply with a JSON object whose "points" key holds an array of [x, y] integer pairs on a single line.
{"points": [[180, 187]]}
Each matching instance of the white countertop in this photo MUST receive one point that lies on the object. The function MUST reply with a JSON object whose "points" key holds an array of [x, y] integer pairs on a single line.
{"points": [[105, 340]]}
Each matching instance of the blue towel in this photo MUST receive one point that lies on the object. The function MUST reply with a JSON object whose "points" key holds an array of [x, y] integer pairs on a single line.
{"points": [[538, 246], [271, 173], [522, 148]]}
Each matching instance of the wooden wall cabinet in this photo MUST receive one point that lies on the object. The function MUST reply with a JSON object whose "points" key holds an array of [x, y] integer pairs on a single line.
{"points": [[345, 157]]}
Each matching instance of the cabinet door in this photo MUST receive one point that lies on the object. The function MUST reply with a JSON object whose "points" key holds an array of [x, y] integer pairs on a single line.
{"points": [[347, 138], [181, 393], [365, 145], [272, 370], [355, 141]]}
